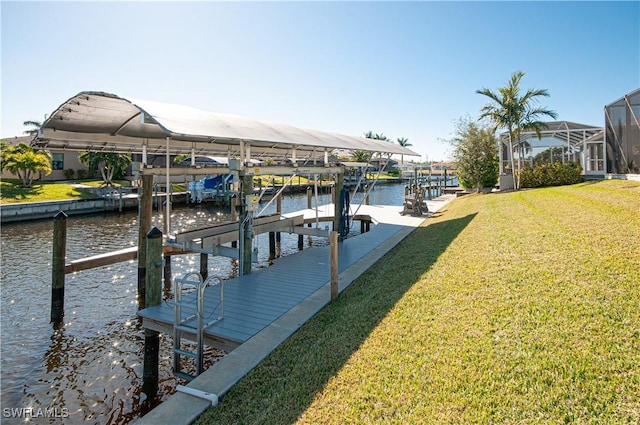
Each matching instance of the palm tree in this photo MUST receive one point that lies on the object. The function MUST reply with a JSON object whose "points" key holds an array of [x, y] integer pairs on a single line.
{"points": [[110, 164], [508, 109], [404, 142], [24, 161], [35, 126], [376, 136], [361, 156]]}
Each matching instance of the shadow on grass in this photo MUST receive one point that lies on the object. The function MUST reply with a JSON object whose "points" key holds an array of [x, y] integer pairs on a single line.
{"points": [[16, 192], [285, 384]]}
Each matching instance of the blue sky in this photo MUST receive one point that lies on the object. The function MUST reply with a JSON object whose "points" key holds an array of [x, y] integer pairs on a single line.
{"points": [[405, 69]]}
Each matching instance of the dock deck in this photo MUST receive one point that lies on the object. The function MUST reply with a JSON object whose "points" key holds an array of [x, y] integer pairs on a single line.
{"points": [[252, 302], [182, 408]]}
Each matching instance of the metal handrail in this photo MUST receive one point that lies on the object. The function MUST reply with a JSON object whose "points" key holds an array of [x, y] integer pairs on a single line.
{"points": [[178, 320]]}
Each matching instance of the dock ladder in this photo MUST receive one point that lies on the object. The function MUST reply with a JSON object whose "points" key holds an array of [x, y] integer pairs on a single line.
{"points": [[192, 327]]}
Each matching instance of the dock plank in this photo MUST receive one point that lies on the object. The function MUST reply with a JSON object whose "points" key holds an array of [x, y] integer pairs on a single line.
{"points": [[252, 302]]}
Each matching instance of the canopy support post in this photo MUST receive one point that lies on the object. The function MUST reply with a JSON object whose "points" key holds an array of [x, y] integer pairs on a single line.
{"points": [[167, 218], [336, 205]]}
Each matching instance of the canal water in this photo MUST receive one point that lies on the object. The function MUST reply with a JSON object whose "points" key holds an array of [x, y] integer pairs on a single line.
{"points": [[90, 370]]}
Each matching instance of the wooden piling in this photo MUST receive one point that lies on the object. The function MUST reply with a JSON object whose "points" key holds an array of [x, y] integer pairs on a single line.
{"points": [[247, 189], [234, 211], [300, 242], [234, 215], [279, 212], [337, 211], [167, 271], [309, 197], [272, 245], [153, 297], [333, 245], [145, 212], [57, 267], [204, 265]]}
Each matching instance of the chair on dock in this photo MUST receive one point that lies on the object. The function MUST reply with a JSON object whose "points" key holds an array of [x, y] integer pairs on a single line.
{"points": [[414, 203]]}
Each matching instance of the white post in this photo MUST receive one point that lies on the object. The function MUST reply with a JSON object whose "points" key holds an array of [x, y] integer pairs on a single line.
{"points": [[167, 219]]}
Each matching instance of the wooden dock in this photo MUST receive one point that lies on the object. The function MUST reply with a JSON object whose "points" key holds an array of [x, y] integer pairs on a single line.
{"points": [[252, 302]]}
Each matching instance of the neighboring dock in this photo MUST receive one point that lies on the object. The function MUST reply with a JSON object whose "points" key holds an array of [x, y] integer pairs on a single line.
{"points": [[262, 309]]}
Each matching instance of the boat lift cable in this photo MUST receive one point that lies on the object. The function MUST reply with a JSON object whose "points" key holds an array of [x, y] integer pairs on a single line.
{"points": [[362, 176], [315, 194], [371, 188], [277, 193], [344, 213]]}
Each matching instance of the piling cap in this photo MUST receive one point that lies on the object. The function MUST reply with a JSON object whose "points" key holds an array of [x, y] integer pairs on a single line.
{"points": [[154, 233], [61, 215]]}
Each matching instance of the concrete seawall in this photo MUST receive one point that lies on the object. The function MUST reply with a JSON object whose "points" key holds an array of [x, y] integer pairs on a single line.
{"points": [[11, 213], [42, 210]]}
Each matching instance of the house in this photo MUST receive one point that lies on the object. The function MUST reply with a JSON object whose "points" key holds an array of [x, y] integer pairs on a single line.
{"points": [[61, 160]]}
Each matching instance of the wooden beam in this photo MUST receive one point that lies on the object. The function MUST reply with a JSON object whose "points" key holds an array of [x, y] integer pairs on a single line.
{"points": [[113, 257], [127, 254], [283, 170]]}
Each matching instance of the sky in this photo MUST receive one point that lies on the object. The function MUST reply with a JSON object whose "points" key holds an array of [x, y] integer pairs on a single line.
{"points": [[403, 69]]}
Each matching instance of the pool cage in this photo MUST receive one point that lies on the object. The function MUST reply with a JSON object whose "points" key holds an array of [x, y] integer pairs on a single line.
{"points": [[622, 122], [560, 141]]}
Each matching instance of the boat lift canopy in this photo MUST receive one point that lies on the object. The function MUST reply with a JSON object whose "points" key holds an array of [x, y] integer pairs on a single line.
{"points": [[104, 122]]}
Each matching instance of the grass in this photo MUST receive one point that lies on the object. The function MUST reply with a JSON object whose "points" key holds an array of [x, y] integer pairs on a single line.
{"points": [[11, 192], [518, 307]]}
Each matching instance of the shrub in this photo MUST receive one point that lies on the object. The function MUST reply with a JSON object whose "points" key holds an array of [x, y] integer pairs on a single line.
{"points": [[556, 174], [68, 173], [395, 172], [82, 174]]}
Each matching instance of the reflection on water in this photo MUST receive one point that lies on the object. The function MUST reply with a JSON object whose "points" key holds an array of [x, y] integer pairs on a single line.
{"points": [[92, 366]]}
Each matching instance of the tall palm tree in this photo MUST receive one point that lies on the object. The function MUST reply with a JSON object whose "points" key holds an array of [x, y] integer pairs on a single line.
{"points": [[35, 126], [514, 112], [361, 156], [109, 164], [404, 142], [378, 136]]}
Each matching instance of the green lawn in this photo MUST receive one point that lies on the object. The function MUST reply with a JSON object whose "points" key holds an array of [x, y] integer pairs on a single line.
{"points": [[12, 192], [519, 307]]}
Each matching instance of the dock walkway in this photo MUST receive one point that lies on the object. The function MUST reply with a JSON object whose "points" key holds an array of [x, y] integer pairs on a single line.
{"points": [[264, 308]]}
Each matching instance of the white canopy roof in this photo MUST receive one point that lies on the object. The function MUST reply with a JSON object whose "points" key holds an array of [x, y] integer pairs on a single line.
{"points": [[97, 121]]}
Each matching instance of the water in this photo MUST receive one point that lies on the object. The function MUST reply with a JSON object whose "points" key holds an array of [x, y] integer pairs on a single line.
{"points": [[90, 370]]}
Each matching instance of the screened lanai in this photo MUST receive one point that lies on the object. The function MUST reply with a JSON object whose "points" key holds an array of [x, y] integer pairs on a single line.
{"points": [[562, 141]]}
